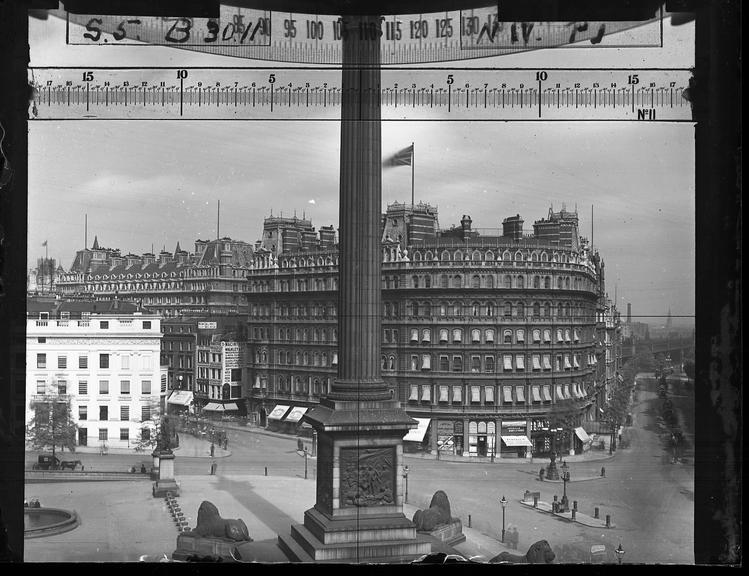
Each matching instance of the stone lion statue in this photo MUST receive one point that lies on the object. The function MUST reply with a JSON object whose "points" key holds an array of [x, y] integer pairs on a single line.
{"points": [[437, 514], [210, 523], [539, 553]]}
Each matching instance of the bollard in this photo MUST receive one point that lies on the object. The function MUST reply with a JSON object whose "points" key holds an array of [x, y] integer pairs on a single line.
{"points": [[469, 520], [535, 501], [595, 513], [574, 513], [266, 470], [608, 520], [574, 504]]}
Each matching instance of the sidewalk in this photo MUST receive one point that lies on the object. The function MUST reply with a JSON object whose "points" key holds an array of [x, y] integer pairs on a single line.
{"points": [[580, 518], [192, 447]]}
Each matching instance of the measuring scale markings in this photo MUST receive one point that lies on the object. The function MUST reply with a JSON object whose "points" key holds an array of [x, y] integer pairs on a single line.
{"points": [[316, 38], [315, 94]]}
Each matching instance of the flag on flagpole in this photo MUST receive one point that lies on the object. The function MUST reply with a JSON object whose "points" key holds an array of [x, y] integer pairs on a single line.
{"points": [[402, 158], [44, 243]]}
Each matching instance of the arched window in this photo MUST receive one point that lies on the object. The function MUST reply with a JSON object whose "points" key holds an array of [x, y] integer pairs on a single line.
{"points": [[476, 256], [519, 255], [536, 309], [457, 281], [508, 281], [443, 309], [415, 309], [489, 309], [567, 282], [507, 336], [324, 358], [475, 309], [508, 309], [534, 257], [547, 309], [445, 256], [547, 282], [490, 281], [429, 256], [544, 257], [415, 281], [476, 281], [520, 281], [427, 281], [559, 282], [506, 256], [458, 256], [537, 282], [417, 256], [391, 363], [489, 257], [444, 281], [306, 358], [520, 310]]}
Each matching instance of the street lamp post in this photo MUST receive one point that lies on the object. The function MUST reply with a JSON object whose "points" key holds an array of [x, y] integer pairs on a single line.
{"points": [[565, 479], [405, 484], [619, 553], [503, 501]]}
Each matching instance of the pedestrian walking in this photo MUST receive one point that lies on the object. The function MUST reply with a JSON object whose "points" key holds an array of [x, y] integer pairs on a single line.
{"points": [[514, 538], [213, 448], [603, 472], [226, 443]]}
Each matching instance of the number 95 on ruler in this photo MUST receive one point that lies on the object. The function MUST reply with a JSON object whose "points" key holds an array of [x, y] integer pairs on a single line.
{"points": [[315, 94]]}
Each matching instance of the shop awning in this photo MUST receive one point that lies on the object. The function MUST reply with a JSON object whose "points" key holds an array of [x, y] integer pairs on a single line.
{"points": [[536, 363], [567, 392], [417, 434], [516, 441], [296, 414], [180, 398], [536, 394], [560, 396], [567, 361], [216, 407], [582, 434], [278, 412], [547, 363]]}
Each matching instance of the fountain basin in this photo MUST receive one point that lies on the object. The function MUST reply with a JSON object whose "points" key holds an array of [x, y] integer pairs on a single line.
{"points": [[39, 522]]}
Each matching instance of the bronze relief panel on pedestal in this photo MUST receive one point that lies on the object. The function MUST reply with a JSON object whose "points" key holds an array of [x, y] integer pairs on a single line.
{"points": [[367, 476]]}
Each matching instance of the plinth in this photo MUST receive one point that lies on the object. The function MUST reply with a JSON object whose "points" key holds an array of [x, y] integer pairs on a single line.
{"points": [[358, 514], [166, 482]]}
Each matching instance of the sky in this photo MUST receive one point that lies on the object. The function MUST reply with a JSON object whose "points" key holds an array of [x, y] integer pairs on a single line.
{"points": [[152, 184]]}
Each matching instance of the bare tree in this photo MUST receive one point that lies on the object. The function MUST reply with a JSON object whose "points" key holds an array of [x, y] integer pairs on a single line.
{"points": [[51, 425]]}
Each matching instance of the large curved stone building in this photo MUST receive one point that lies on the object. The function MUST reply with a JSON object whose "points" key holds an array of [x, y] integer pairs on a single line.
{"points": [[501, 343]]}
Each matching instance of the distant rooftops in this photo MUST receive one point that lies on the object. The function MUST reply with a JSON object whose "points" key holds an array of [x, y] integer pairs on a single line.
{"points": [[77, 308]]}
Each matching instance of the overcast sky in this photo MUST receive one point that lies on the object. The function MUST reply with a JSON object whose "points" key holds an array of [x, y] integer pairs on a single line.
{"points": [[155, 183]]}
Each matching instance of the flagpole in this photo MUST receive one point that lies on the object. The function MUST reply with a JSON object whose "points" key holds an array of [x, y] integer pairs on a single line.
{"points": [[413, 161]]}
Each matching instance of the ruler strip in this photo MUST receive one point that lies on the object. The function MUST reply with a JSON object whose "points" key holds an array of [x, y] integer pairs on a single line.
{"points": [[315, 94], [316, 39]]}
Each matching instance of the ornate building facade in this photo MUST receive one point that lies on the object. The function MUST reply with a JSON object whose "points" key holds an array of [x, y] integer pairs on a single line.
{"points": [[208, 281], [494, 340]]}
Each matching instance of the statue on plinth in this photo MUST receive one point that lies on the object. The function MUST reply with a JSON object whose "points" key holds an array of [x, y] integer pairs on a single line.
{"points": [[438, 520]]}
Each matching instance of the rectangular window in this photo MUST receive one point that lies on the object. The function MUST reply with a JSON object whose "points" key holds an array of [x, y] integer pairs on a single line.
{"points": [[62, 387], [444, 392], [124, 434], [41, 360], [507, 394], [444, 364], [443, 335], [457, 394], [103, 360], [124, 387], [489, 394], [414, 362], [83, 388], [83, 362], [146, 324], [520, 393], [489, 364], [145, 387], [103, 412], [475, 363], [475, 335], [547, 393], [104, 324], [103, 386], [145, 413], [475, 394], [547, 362], [521, 335], [62, 361], [82, 412], [457, 363], [426, 393], [457, 335], [507, 363], [536, 362], [124, 413], [125, 361], [41, 386], [414, 392], [535, 392], [426, 362], [414, 335], [547, 335], [490, 335], [41, 340], [103, 434]]}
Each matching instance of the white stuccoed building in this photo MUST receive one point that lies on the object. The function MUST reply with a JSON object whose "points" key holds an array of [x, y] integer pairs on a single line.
{"points": [[102, 356]]}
